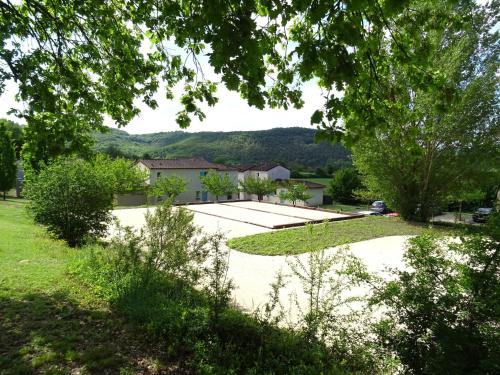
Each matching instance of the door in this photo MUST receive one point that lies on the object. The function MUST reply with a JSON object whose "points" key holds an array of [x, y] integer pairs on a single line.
{"points": [[204, 196]]}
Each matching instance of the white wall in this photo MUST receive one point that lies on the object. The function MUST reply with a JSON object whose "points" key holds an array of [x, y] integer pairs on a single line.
{"points": [[273, 174], [315, 200], [193, 183]]}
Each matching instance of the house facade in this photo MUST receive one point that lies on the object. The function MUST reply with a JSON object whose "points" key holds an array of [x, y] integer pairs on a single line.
{"points": [[191, 169], [270, 171]]}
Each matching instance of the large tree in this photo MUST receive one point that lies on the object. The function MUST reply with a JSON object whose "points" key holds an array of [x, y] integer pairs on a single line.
{"points": [[16, 132], [75, 61], [7, 161], [427, 151]]}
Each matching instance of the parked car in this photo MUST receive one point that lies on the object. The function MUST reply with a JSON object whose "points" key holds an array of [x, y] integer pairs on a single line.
{"points": [[379, 207], [482, 214]]}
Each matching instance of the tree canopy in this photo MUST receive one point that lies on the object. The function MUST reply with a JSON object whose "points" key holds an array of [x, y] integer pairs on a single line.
{"points": [[427, 152], [218, 184], [7, 160], [258, 186], [76, 61], [171, 186], [295, 192]]}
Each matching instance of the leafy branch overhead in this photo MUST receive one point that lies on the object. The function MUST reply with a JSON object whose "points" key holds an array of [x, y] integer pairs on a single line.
{"points": [[75, 61]]}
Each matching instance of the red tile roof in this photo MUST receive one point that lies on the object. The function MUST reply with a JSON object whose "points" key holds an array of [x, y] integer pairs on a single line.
{"points": [[184, 163], [258, 167]]}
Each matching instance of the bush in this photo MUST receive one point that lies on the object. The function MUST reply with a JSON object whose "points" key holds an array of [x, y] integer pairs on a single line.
{"points": [[443, 310], [72, 198], [343, 185], [154, 287]]}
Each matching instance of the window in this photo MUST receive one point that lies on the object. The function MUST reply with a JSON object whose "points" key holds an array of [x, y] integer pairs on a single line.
{"points": [[158, 174], [203, 173], [198, 197], [229, 196], [258, 174]]}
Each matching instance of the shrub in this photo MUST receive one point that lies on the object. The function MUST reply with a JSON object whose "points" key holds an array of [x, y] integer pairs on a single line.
{"points": [[343, 185], [443, 310], [154, 287], [72, 198], [174, 245]]}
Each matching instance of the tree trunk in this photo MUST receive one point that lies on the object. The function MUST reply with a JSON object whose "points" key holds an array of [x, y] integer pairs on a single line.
{"points": [[4, 195]]}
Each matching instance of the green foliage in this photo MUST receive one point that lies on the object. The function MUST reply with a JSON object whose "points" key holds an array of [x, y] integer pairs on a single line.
{"points": [[443, 310], [218, 286], [75, 62], [295, 192], [46, 141], [258, 186], [327, 279], [72, 198], [124, 175], [16, 132], [435, 142], [170, 186], [51, 322], [148, 286], [174, 244], [218, 184], [289, 146], [8, 165], [343, 185]]}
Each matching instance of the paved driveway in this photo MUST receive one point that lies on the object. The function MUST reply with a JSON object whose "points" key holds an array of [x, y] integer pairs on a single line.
{"points": [[253, 274]]}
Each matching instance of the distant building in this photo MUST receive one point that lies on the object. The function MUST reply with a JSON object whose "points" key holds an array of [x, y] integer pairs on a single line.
{"points": [[191, 169]]}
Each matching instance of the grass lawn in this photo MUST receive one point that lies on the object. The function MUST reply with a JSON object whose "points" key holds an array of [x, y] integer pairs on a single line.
{"points": [[49, 323], [300, 240]]}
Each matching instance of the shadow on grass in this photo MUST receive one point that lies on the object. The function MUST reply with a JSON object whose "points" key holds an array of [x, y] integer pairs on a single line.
{"points": [[50, 334]]}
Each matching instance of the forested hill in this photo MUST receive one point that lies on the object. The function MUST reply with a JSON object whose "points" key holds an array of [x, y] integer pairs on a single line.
{"points": [[293, 147]]}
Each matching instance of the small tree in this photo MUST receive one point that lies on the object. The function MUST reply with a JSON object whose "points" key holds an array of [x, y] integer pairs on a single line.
{"points": [[124, 174], [343, 185], [217, 184], [258, 186], [7, 161], [294, 193], [72, 198], [174, 243], [170, 186]]}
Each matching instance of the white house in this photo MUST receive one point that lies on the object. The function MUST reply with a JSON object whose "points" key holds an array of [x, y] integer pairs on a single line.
{"points": [[190, 170], [313, 189], [276, 172], [271, 171]]}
